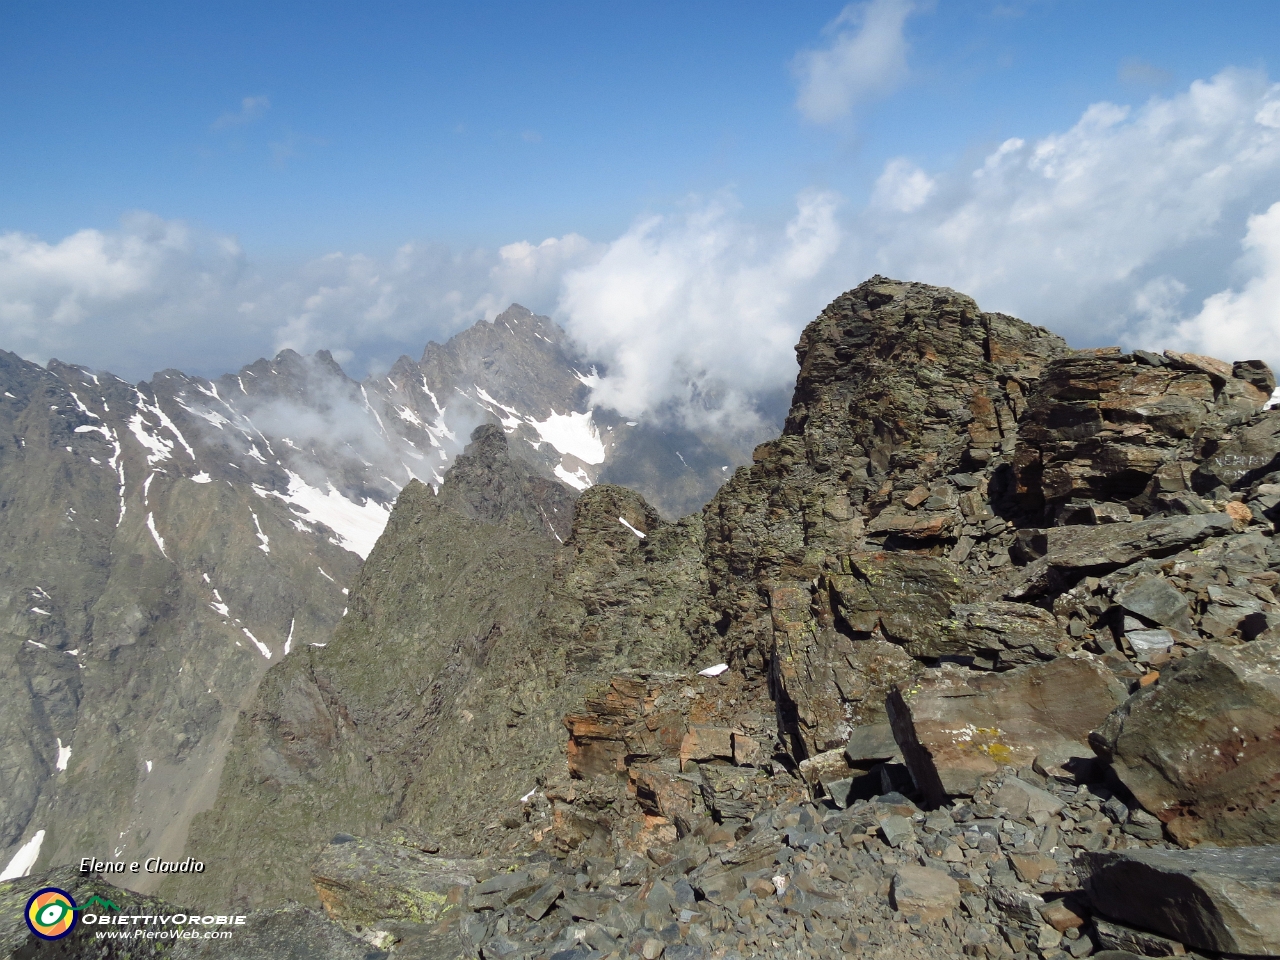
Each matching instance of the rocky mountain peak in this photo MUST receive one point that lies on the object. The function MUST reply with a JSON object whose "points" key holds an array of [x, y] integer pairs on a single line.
{"points": [[906, 391], [486, 483]]}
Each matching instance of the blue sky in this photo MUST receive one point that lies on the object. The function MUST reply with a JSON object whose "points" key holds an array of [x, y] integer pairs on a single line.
{"points": [[189, 184]]}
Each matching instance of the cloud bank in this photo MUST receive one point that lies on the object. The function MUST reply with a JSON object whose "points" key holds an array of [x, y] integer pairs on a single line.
{"points": [[157, 293], [696, 313], [1154, 225], [1090, 229]]}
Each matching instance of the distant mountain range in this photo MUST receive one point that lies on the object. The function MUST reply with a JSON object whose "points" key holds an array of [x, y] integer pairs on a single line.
{"points": [[164, 543]]}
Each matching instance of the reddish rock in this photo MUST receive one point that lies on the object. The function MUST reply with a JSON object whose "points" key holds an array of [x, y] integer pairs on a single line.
{"points": [[957, 727], [706, 743], [1101, 424], [924, 892], [663, 792]]}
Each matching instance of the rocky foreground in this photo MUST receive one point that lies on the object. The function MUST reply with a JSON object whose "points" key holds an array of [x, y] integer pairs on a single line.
{"points": [[981, 657]]}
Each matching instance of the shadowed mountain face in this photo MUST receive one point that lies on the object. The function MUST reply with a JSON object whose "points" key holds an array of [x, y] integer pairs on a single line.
{"points": [[165, 543], [441, 694]]}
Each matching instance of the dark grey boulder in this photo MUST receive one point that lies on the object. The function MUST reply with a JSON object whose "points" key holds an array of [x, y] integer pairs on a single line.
{"points": [[1059, 556], [1157, 600], [1200, 748], [1225, 900]]}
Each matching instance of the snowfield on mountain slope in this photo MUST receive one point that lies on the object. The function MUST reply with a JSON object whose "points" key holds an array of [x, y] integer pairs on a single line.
{"points": [[572, 433], [357, 526]]}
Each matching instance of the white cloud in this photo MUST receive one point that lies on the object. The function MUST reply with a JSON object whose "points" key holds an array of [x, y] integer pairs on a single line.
{"points": [[902, 186], [695, 313], [116, 296], [159, 293], [1099, 232], [1244, 324], [251, 108], [1109, 231], [865, 57], [1069, 230]]}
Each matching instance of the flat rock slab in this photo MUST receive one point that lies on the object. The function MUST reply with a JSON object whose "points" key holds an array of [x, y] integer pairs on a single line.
{"points": [[871, 744], [360, 881], [1023, 799], [1001, 630], [1225, 900], [1200, 748], [1063, 554], [927, 893], [957, 727], [1158, 600]]}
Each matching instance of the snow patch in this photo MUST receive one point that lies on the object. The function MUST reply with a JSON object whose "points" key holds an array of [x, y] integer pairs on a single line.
{"points": [[572, 433], [368, 406], [43, 613], [325, 575], [64, 755], [262, 647], [409, 416], [578, 479], [117, 464], [151, 525], [265, 542], [217, 419], [512, 419], [631, 528], [201, 477], [22, 862], [715, 671], [358, 526], [434, 402], [159, 448], [148, 766], [288, 642], [83, 409]]}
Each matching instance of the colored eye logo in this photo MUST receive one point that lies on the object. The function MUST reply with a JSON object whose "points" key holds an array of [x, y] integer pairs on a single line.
{"points": [[51, 913]]}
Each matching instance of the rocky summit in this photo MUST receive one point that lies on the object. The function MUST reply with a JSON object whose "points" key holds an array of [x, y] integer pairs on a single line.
{"points": [[980, 657]]}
